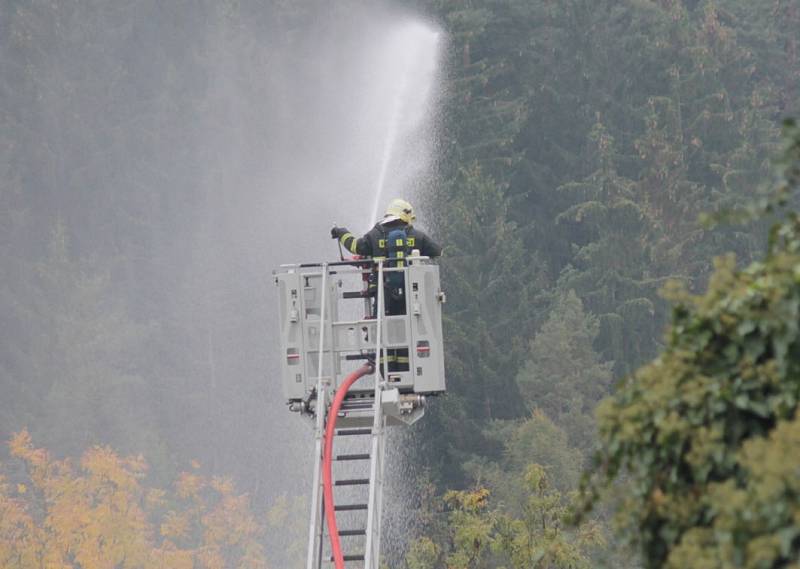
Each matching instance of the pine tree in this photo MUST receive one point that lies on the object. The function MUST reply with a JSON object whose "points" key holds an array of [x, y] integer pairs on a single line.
{"points": [[492, 286], [707, 434], [610, 269], [563, 376], [86, 379]]}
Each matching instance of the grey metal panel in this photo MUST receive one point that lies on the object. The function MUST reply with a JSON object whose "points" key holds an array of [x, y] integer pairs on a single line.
{"points": [[348, 336], [425, 319], [396, 331], [300, 297], [402, 380], [312, 304], [292, 368], [300, 318]]}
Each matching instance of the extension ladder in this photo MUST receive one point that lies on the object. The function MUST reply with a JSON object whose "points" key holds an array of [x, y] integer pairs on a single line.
{"points": [[359, 416], [317, 342]]}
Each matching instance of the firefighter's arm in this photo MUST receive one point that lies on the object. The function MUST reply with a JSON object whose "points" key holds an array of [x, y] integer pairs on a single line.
{"points": [[430, 248], [350, 242]]}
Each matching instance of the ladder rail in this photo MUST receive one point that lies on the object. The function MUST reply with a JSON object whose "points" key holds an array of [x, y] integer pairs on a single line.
{"points": [[381, 457], [328, 398], [315, 524], [372, 546], [371, 553]]}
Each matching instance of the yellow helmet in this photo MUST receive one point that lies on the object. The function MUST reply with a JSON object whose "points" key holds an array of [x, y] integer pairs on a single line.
{"points": [[399, 209]]}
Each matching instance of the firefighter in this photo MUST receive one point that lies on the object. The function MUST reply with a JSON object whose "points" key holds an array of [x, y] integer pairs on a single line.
{"points": [[399, 217], [393, 237]]}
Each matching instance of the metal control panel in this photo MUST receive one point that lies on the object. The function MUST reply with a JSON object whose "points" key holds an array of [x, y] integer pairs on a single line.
{"points": [[411, 355]]}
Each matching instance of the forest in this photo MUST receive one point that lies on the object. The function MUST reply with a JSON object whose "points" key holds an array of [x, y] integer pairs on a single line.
{"points": [[615, 184]]}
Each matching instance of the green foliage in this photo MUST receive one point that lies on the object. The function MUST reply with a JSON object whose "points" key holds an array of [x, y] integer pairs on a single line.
{"points": [[492, 284], [756, 515], [706, 432], [538, 538], [579, 141], [475, 535], [116, 127], [605, 127], [603, 130], [83, 383], [472, 524], [422, 554], [611, 266], [564, 376], [536, 439]]}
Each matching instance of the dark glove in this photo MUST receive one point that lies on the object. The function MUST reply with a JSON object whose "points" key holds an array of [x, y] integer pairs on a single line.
{"points": [[337, 232]]}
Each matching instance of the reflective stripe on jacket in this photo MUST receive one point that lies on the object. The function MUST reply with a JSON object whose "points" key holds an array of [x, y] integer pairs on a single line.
{"points": [[374, 245]]}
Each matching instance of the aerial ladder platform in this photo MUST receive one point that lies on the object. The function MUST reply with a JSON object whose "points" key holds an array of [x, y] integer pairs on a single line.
{"points": [[355, 371]]}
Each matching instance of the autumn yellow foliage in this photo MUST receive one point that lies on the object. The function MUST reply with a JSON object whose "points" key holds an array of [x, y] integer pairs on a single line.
{"points": [[98, 514]]}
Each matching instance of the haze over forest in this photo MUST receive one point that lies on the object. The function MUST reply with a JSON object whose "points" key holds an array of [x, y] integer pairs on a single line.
{"points": [[157, 161]]}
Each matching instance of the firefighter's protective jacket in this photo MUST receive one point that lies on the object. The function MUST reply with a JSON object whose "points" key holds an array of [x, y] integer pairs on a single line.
{"points": [[374, 243]]}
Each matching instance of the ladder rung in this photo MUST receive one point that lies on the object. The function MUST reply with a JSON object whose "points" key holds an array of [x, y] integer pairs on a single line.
{"points": [[350, 507], [351, 482], [350, 432], [354, 357], [350, 558], [360, 399], [352, 457], [354, 408], [357, 404], [357, 294], [360, 394], [350, 532]]}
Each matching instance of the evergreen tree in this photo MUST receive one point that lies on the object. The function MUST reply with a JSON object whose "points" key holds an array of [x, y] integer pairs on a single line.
{"points": [[492, 286], [610, 271], [472, 534], [707, 434], [533, 439], [88, 378], [563, 376]]}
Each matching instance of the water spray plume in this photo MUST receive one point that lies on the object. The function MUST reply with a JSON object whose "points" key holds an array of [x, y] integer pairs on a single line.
{"points": [[414, 49]]}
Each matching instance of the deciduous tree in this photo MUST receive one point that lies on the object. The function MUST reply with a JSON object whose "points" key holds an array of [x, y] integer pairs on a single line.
{"points": [[706, 435], [97, 513]]}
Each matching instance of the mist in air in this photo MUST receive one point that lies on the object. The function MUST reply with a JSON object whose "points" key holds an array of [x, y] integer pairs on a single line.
{"points": [[171, 156]]}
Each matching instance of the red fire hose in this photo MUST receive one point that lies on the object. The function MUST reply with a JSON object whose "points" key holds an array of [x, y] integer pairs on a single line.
{"points": [[327, 458]]}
